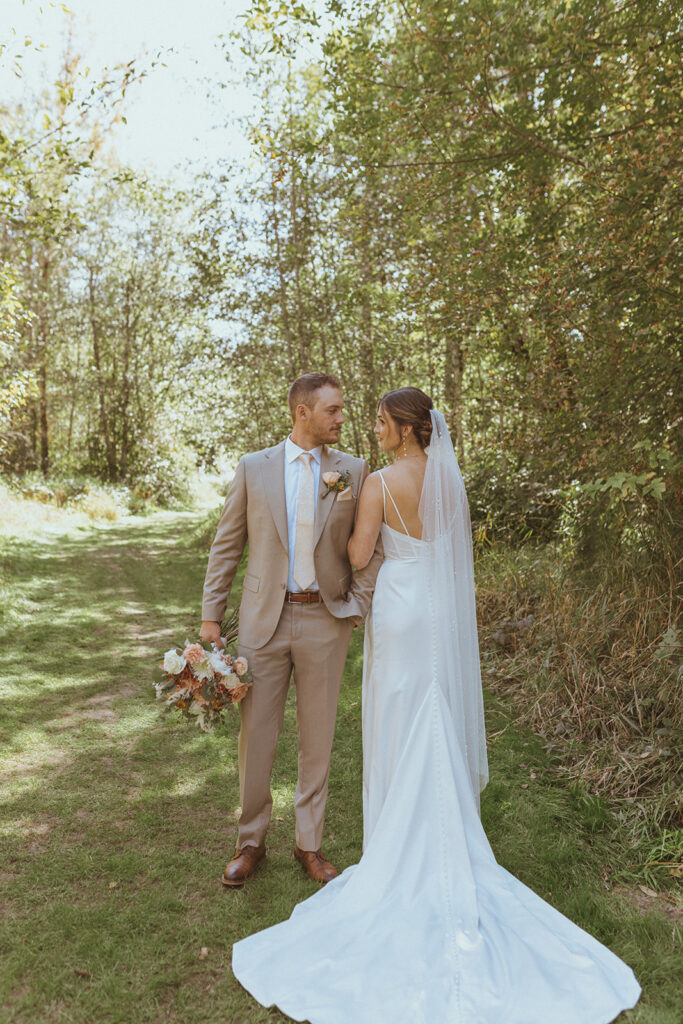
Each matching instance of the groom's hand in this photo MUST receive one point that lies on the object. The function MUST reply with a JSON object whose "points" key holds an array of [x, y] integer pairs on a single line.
{"points": [[211, 632]]}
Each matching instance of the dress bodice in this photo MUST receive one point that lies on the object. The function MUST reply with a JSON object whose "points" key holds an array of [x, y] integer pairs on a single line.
{"points": [[401, 546]]}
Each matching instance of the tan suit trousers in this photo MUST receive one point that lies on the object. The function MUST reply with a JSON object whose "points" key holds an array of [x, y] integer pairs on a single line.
{"points": [[313, 643]]}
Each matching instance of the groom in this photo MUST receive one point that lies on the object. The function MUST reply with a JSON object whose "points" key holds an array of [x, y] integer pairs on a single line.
{"points": [[294, 505]]}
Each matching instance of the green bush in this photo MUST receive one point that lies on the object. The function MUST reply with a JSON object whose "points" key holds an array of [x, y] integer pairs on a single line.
{"points": [[629, 516], [507, 504], [161, 473]]}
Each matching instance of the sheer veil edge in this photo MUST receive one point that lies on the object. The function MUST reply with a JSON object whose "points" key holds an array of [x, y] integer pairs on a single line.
{"points": [[446, 525]]}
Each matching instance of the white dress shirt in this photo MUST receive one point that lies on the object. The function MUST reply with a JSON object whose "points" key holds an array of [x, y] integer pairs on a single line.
{"points": [[292, 475]]}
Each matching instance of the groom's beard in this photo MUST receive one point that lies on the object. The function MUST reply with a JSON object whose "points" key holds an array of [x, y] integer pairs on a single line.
{"points": [[329, 436]]}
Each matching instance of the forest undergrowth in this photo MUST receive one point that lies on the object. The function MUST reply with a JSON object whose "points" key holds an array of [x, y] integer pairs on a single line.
{"points": [[590, 659]]}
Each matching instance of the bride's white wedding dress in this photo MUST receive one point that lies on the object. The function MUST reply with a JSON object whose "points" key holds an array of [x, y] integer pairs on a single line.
{"points": [[427, 928]]}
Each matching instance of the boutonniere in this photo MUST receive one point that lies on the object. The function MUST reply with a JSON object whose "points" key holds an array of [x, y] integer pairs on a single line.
{"points": [[336, 482]]}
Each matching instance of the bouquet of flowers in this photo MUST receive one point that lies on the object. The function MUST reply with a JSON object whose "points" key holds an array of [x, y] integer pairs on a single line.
{"points": [[201, 680]]}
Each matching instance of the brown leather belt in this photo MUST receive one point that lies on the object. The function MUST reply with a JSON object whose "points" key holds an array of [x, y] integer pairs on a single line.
{"points": [[306, 597]]}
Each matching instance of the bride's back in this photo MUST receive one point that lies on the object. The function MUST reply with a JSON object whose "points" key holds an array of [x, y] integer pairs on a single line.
{"points": [[404, 478]]}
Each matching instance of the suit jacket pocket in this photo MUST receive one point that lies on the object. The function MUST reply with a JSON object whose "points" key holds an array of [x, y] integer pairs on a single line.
{"points": [[344, 508], [252, 582]]}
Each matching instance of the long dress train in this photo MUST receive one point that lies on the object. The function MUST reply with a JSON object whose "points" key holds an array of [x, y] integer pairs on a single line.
{"points": [[427, 928]]}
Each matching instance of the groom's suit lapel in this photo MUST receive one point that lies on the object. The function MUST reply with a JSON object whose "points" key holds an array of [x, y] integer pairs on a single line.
{"points": [[273, 473], [329, 462]]}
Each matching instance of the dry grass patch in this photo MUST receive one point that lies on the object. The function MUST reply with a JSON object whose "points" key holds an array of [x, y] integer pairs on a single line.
{"points": [[592, 665]]}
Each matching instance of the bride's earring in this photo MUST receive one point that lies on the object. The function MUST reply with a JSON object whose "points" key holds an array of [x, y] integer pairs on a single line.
{"points": [[405, 449]]}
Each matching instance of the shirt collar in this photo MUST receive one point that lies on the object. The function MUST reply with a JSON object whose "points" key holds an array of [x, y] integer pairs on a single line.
{"points": [[292, 451]]}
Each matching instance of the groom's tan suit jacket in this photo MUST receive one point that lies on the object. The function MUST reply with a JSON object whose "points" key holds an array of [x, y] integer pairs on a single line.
{"points": [[277, 637], [256, 512]]}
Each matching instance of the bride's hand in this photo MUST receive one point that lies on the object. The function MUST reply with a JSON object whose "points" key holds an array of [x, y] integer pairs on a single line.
{"points": [[368, 523]]}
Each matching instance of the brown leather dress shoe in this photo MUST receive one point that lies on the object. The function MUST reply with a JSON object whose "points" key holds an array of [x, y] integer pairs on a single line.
{"points": [[243, 865], [317, 868]]}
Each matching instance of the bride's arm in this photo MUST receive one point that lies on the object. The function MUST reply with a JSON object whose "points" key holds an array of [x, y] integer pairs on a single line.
{"points": [[368, 522]]}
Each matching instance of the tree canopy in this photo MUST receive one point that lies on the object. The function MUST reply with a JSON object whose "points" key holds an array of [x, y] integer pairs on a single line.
{"points": [[479, 199]]}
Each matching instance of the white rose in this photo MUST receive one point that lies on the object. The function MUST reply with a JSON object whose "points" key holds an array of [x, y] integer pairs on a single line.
{"points": [[331, 478], [217, 664], [173, 663], [232, 680]]}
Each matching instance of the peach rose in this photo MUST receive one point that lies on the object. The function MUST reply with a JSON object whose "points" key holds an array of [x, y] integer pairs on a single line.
{"points": [[331, 478], [239, 691], [194, 653], [241, 666]]}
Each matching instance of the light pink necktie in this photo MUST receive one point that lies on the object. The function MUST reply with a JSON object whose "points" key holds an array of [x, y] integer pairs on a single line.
{"points": [[304, 568]]}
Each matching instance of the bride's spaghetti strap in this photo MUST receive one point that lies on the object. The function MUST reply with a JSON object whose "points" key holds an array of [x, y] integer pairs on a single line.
{"points": [[385, 491]]}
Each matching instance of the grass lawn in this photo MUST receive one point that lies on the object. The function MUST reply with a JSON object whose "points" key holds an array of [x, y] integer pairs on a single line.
{"points": [[118, 820]]}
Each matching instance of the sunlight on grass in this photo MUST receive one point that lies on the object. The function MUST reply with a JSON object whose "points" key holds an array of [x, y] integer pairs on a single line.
{"points": [[283, 794], [25, 517], [130, 722], [186, 786]]}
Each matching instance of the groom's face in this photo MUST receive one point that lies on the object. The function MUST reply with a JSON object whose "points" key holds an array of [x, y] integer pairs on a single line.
{"points": [[326, 416]]}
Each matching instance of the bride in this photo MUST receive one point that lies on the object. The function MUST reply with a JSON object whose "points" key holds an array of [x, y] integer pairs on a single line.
{"points": [[427, 928]]}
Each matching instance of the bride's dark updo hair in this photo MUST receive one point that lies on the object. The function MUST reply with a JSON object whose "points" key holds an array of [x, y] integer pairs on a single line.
{"points": [[409, 407]]}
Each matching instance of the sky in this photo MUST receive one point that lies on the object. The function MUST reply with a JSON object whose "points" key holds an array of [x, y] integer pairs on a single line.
{"points": [[170, 119]]}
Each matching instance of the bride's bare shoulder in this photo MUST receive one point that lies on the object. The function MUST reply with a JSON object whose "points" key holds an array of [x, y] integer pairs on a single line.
{"points": [[394, 471], [372, 482]]}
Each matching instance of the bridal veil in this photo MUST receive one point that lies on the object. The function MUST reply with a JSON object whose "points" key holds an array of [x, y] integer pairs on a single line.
{"points": [[446, 525]]}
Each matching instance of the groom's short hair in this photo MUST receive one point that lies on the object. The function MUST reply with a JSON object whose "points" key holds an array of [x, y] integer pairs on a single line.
{"points": [[302, 391]]}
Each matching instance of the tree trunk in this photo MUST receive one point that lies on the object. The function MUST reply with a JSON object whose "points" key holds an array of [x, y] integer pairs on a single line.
{"points": [[128, 331], [42, 369], [367, 364], [109, 448], [302, 334], [454, 366], [286, 327], [75, 378], [44, 440]]}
